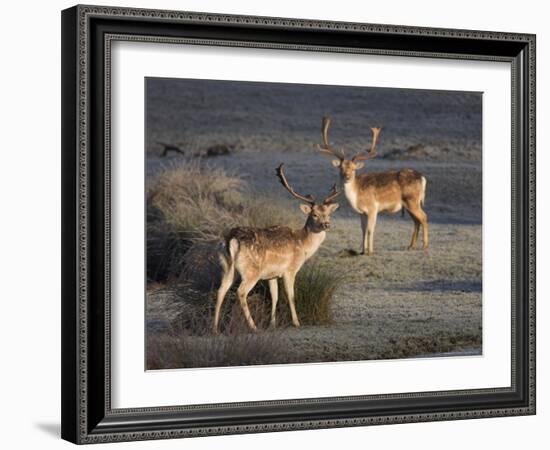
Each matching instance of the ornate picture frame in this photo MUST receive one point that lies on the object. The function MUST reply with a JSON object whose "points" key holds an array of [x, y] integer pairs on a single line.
{"points": [[87, 35]]}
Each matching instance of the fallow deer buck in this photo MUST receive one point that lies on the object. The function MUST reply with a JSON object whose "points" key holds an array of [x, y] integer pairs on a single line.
{"points": [[371, 193], [272, 253]]}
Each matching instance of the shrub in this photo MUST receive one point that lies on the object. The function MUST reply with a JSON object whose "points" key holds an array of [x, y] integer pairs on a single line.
{"points": [[165, 251], [189, 341], [196, 203], [202, 203], [196, 318], [189, 204], [314, 291]]}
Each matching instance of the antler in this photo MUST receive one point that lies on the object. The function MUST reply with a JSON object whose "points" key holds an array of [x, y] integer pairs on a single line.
{"points": [[372, 152], [306, 198], [333, 194], [326, 147]]}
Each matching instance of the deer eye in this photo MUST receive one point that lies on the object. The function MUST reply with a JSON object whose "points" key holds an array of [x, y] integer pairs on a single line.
{"points": [[315, 216]]}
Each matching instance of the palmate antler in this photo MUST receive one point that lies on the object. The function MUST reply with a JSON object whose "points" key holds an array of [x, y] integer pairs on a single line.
{"points": [[326, 147], [281, 175], [372, 152]]}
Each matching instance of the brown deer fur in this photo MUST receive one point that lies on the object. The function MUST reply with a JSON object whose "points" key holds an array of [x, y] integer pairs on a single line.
{"points": [[371, 193], [271, 253]]}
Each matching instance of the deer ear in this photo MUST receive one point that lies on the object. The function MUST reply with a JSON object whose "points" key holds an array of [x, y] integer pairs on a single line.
{"points": [[332, 207], [359, 165], [306, 209], [336, 162]]}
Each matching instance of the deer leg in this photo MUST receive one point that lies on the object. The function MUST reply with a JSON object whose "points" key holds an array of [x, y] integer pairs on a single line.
{"points": [[371, 224], [274, 292], [420, 219], [364, 220], [414, 237], [227, 281], [242, 293], [424, 222], [288, 280]]}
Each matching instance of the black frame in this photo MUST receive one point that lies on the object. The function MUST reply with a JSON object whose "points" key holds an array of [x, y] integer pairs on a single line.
{"points": [[87, 31]]}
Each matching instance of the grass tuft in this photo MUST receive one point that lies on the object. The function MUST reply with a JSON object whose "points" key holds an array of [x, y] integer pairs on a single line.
{"points": [[314, 291], [190, 204], [167, 351]]}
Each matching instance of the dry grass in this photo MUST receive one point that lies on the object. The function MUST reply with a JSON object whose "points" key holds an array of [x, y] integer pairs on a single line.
{"points": [[190, 343], [196, 312], [314, 290], [197, 204], [169, 351], [202, 202], [190, 204]]}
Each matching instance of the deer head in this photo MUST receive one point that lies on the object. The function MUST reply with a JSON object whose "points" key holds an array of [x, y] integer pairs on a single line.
{"points": [[347, 166], [318, 214]]}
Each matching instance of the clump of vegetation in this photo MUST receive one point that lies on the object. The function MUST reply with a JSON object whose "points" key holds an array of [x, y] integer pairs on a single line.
{"points": [[190, 204], [169, 351], [166, 249], [196, 203], [314, 291], [196, 312], [190, 343]]}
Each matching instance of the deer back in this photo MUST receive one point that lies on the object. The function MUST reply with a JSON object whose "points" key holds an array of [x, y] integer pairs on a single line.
{"points": [[388, 189], [270, 252]]}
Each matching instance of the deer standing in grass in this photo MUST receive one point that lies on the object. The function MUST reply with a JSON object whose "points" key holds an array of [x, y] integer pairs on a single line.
{"points": [[272, 253], [371, 193]]}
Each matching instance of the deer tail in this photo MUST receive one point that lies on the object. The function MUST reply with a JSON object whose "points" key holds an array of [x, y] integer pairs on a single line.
{"points": [[228, 253], [423, 194]]}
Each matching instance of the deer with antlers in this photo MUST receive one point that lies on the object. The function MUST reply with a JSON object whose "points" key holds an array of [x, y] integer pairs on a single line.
{"points": [[271, 253], [371, 193]]}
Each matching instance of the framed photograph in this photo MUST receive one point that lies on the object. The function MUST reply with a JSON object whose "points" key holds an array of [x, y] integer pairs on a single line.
{"points": [[281, 224]]}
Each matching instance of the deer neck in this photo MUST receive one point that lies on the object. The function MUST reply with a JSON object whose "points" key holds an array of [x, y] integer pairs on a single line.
{"points": [[311, 241], [351, 190]]}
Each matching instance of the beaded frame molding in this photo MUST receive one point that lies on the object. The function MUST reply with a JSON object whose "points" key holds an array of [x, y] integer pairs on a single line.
{"points": [[87, 34]]}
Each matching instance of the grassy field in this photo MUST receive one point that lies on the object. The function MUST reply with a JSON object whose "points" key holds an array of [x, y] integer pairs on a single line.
{"points": [[394, 304]]}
